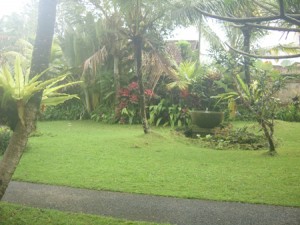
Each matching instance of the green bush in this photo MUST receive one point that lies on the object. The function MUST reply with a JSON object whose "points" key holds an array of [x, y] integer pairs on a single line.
{"points": [[167, 114], [104, 114], [291, 112], [70, 110], [5, 134]]}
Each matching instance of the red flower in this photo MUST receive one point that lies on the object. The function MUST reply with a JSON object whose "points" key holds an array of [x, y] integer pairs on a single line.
{"points": [[184, 93], [133, 86], [124, 92], [134, 99], [149, 92]]}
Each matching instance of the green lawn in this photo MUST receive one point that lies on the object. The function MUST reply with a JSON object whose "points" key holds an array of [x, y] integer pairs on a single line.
{"points": [[121, 158], [19, 215]]}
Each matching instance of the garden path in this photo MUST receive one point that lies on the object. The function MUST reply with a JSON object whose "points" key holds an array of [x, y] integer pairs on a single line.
{"points": [[139, 207]]}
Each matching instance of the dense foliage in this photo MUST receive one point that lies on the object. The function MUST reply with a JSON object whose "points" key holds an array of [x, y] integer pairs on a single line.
{"points": [[96, 42], [290, 112], [227, 137], [5, 134]]}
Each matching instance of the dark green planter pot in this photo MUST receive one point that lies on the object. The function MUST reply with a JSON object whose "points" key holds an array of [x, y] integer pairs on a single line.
{"points": [[207, 119]]}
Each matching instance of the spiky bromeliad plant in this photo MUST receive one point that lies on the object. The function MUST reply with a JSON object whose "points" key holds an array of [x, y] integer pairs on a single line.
{"points": [[17, 87]]}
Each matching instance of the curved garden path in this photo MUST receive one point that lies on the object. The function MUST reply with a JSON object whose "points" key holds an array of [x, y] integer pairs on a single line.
{"points": [[149, 208]]}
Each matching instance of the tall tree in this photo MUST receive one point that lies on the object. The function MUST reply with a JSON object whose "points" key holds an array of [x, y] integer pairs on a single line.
{"points": [[252, 18], [40, 61], [142, 25], [275, 15], [109, 25], [90, 41]]}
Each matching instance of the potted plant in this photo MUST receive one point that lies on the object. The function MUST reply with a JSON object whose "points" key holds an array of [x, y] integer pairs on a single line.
{"points": [[207, 119]]}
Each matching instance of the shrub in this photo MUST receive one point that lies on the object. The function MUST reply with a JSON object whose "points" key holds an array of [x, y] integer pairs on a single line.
{"points": [[167, 114], [241, 136], [104, 114], [5, 134], [128, 108], [209, 82], [70, 110], [226, 137], [290, 112]]}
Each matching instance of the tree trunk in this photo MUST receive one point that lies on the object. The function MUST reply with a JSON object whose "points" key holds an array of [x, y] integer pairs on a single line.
{"points": [[16, 147], [269, 136], [40, 61], [44, 36], [137, 41], [247, 35], [199, 39], [87, 99], [117, 81]]}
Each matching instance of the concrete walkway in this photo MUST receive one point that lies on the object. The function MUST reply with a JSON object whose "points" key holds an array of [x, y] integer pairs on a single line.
{"points": [[149, 208]]}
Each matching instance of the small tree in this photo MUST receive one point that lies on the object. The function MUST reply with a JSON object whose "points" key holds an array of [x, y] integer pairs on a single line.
{"points": [[259, 98]]}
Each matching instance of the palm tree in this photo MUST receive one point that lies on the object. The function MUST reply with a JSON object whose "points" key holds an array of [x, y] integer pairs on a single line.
{"points": [[265, 15], [141, 23], [80, 43], [40, 60], [233, 33], [89, 42], [144, 22], [109, 26], [121, 30]]}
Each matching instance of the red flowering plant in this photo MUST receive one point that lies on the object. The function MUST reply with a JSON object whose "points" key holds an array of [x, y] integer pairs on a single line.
{"points": [[184, 93], [128, 109]]}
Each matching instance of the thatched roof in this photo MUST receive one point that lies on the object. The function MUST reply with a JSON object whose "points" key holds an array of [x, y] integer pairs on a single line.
{"points": [[174, 51]]}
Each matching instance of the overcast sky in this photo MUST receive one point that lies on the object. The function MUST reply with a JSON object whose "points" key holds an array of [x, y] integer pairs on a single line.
{"points": [[9, 6]]}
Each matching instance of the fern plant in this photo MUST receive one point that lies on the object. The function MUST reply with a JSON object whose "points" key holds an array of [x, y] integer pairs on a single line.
{"points": [[185, 72]]}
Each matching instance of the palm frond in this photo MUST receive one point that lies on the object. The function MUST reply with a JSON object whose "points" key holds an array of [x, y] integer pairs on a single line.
{"points": [[156, 64], [94, 61], [289, 49], [57, 98]]}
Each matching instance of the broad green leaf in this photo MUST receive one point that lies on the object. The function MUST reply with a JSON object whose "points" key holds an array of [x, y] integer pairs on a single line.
{"points": [[158, 121], [21, 111], [57, 100], [53, 89], [9, 80], [124, 111], [36, 77], [243, 85], [19, 78]]}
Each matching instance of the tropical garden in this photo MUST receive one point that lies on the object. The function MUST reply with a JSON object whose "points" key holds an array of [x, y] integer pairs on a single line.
{"points": [[105, 73]]}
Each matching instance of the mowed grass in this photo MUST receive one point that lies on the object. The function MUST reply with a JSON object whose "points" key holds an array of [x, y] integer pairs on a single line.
{"points": [[121, 158], [12, 214]]}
